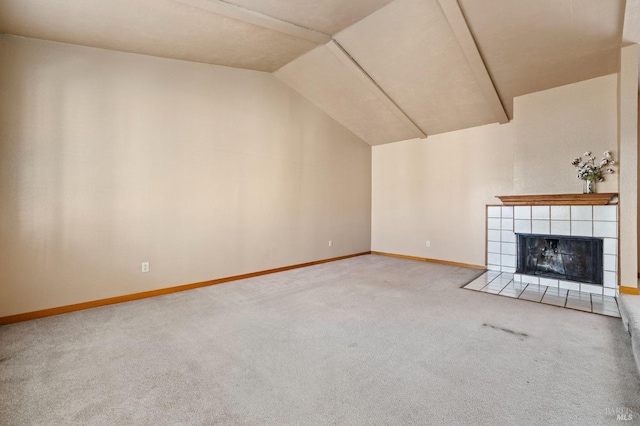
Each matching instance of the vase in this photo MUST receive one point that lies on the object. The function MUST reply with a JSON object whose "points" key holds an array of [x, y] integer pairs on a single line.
{"points": [[589, 187]]}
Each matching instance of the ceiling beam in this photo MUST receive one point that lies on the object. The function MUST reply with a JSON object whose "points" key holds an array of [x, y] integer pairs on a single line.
{"points": [[346, 59], [631, 25], [460, 28], [248, 16]]}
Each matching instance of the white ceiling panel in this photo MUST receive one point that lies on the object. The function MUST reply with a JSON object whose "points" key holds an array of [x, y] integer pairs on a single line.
{"points": [[326, 16], [163, 28], [530, 46], [331, 85], [409, 49]]}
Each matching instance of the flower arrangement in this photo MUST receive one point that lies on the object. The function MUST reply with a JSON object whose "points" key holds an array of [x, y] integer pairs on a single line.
{"points": [[589, 170]]}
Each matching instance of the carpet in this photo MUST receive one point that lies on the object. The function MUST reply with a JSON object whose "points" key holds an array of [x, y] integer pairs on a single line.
{"points": [[370, 340]]}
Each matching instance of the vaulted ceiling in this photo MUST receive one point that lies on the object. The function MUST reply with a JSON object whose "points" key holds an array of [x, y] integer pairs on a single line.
{"points": [[387, 70]]}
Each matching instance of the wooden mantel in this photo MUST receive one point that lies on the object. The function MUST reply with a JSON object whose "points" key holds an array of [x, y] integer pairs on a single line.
{"points": [[559, 199]]}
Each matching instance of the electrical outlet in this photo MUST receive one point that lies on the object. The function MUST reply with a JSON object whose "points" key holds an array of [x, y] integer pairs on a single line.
{"points": [[145, 266], [428, 244], [330, 243]]}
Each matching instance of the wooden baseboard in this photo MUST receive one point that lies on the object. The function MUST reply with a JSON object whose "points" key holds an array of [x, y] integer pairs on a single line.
{"points": [[146, 294], [426, 259], [629, 290]]}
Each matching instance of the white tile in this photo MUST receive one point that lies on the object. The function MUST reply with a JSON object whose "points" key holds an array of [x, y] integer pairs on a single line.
{"points": [[533, 292], [493, 259], [555, 296], [610, 310], [549, 282], [581, 213], [508, 237], [493, 211], [609, 291], [508, 260], [530, 279], [507, 211], [513, 290], [494, 235], [605, 213], [540, 227], [569, 285], [493, 223], [507, 224], [506, 276], [540, 212], [610, 263], [493, 247], [477, 284], [577, 297], [517, 278], [522, 212], [493, 267], [605, 229], [509, 248], [590, 288], [494, 287], [604, 303], [522, 226], [581, 228], [560, 213], [508, 269], [610, 246], [579, 301], [610, 279], [560, 227]]}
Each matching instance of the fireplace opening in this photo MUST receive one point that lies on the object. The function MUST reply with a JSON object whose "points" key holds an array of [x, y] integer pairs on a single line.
{"points": [[567, 258]]}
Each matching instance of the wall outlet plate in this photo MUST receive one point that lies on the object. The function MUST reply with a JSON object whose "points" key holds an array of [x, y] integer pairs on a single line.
{"points": [[145, 266]]}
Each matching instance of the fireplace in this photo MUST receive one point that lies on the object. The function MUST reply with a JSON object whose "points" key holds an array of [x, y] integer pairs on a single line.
{"points": [[569, 258], [594, 227]]}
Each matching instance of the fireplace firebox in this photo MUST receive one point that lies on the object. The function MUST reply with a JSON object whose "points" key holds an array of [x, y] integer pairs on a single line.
{"points": [[563, 257]]}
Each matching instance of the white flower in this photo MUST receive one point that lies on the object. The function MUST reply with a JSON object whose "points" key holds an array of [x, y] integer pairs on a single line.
{"points": [[588, 169]]}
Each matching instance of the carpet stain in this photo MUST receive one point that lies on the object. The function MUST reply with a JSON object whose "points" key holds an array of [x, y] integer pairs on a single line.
{"points": [[3, 360], [506, 330]]}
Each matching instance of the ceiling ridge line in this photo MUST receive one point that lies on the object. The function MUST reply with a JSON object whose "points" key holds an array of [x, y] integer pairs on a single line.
{"points": [[461, 31], [229, 10], [343, 56]]}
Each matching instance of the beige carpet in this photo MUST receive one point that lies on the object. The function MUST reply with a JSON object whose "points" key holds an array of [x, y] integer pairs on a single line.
{"points": [[365, 341]]}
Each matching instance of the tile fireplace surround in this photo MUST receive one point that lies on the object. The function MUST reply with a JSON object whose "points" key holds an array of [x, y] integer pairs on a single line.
{"points": [[600, 221]]}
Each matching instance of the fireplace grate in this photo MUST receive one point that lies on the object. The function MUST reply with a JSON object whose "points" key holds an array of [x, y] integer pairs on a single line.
{"points": [[569, 258]]}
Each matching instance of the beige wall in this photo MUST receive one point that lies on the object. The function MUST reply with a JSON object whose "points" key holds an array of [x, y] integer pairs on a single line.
{"points": [[628, 146], [109, 159], [554, 126], [436, 189]]}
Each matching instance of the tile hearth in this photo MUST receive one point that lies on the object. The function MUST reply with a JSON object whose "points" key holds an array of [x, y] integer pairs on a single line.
{"points": [[503, 284]]}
